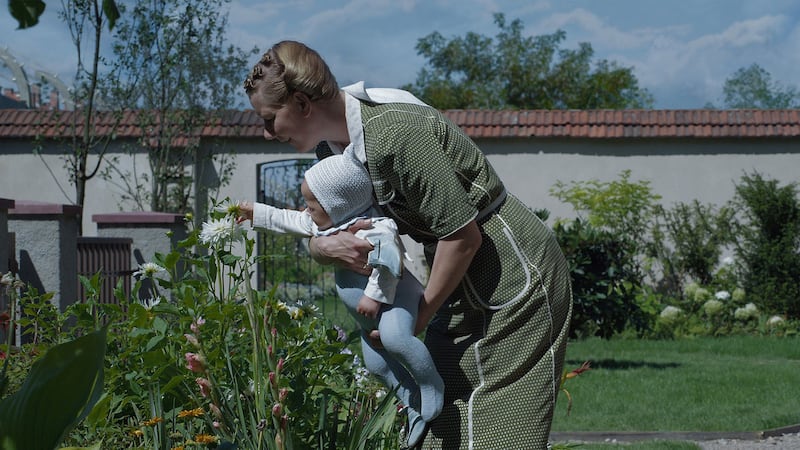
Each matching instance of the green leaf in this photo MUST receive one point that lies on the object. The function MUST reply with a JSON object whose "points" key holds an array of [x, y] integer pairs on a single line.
{"points": [[60, 390], [27, 12], [94, 447], [111, 12], [172, 260], [154, 342], [99, 414]]}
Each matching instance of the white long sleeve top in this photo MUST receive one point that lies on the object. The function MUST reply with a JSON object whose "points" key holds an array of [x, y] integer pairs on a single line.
{"points": [[386, 259]]}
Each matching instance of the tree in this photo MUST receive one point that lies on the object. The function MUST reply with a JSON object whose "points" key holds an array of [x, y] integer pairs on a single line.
{"points": [[517, 72], [27, 12], [172, 64], [752, 88], [84, 17]]}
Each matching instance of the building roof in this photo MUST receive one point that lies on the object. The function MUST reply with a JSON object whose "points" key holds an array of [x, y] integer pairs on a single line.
{"points": [[589, 124], [11, 103]]}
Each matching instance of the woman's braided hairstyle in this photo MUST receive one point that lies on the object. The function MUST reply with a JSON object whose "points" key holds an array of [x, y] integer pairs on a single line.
{"points": [[288, 67]]}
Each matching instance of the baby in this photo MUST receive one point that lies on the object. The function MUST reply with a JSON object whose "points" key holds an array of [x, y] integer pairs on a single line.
{"points": [[338, 192]]}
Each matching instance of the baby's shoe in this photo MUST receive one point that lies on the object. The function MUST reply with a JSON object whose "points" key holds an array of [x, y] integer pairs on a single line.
{"points": [[416, 428]]}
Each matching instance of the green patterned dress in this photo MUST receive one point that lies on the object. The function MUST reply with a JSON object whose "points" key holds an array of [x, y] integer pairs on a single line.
{"points": [[499, 340]]}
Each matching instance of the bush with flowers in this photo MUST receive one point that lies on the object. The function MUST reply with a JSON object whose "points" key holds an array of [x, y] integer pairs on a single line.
{"points": [[206, 360], [718, 309]]}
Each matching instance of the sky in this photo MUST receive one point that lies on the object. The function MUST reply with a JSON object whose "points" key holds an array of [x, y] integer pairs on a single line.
{"points": [[682, 51]]}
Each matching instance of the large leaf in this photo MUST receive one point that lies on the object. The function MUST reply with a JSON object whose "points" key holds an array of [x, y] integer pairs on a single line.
{"points": [[111, 12], [60, 390], [26, 12]]}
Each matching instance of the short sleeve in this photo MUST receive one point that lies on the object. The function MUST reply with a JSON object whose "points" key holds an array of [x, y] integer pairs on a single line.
{"points": [[410, 158]]}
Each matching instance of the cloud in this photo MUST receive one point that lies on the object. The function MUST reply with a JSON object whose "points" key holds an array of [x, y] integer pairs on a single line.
{"points": [[356, 11], [744, 33]]}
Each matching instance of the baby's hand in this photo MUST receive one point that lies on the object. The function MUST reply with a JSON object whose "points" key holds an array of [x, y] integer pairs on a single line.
{"points": [[368, 307], [245, 212]]}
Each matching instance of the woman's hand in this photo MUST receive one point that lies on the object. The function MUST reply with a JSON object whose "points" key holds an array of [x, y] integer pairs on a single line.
{"points": [[374, 339], [344, 249]]}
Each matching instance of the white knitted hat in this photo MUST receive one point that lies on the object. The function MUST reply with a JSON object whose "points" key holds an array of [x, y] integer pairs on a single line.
{"points": [[342, 186]]}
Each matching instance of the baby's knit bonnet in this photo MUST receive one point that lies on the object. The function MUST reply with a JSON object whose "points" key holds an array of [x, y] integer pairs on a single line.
{"points": [[342, 186]]}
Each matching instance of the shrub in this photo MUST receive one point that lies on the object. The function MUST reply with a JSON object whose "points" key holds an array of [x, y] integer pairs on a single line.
{"points": [[769, 243], [605, 281], [606, 248], [688, 240]]}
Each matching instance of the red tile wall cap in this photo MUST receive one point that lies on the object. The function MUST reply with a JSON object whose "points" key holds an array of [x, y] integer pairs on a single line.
{"points": [[31, 207]]}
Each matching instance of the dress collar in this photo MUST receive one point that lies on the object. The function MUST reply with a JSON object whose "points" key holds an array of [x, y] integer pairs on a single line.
{"points": [[354, 94]]}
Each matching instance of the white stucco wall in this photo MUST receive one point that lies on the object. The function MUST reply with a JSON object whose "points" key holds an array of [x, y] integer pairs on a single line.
{"points": [[679, 170]]}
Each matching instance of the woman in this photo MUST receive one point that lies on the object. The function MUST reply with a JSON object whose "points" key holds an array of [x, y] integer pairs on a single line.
{"points": [[497, 303]]}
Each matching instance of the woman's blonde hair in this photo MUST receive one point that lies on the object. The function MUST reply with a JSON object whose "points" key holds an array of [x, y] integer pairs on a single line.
{"points": [[288, 67]]}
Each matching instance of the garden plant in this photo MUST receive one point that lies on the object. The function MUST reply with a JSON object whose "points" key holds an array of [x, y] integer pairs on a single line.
{"points": [[196, 357]]}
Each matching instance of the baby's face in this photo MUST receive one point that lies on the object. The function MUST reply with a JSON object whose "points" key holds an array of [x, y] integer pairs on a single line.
{"points": [[318, 215]]}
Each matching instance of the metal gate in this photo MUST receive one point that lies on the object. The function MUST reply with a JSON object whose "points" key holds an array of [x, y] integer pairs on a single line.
{"points": [[287, 266], [112, 258]]}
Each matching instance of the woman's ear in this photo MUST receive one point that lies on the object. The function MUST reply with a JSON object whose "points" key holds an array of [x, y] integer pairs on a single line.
{"points": [[303, 103]]}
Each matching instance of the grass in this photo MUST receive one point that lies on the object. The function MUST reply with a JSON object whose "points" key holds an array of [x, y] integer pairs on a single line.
{"points": [[706, 384]]}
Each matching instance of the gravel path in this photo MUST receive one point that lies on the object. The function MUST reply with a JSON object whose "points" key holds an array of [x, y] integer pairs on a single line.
{"points": [[789, 441], [787, 438]]}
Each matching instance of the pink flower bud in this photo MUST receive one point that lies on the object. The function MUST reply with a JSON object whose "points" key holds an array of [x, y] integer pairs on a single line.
{"points": [[215, 410], [276, 410], [279, 368], [190, 338], [195, 362], [205, 386], [273, 379], [195, 326], [282, 394]]}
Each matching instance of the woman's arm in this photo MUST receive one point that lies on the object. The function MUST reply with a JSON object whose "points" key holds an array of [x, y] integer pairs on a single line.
{"points": [[452, 259]]}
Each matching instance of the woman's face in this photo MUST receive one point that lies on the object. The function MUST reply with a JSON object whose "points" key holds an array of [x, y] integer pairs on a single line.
{"points": [[289, 123]]}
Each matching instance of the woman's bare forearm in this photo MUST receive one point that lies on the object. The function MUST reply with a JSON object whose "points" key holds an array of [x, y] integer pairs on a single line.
{"points": [[453, 257]]}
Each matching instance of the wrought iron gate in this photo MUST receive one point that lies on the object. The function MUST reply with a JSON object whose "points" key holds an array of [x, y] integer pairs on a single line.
{"points": [[287, 265]]}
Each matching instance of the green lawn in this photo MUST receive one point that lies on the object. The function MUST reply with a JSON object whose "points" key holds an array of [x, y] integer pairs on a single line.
{"points": [[708, 384]]}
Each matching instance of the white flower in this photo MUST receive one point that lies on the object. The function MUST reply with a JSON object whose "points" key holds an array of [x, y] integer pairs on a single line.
{"points": [[712, 307], [775, 321], [670, 313], [220, 231], [738, 295], [701, 294], [149, 303], [228, 208], [149, 270], [8, 279], [361, 375], [295, 312], [722, 295], [690, 289], [747, 312], [380, 393]]}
